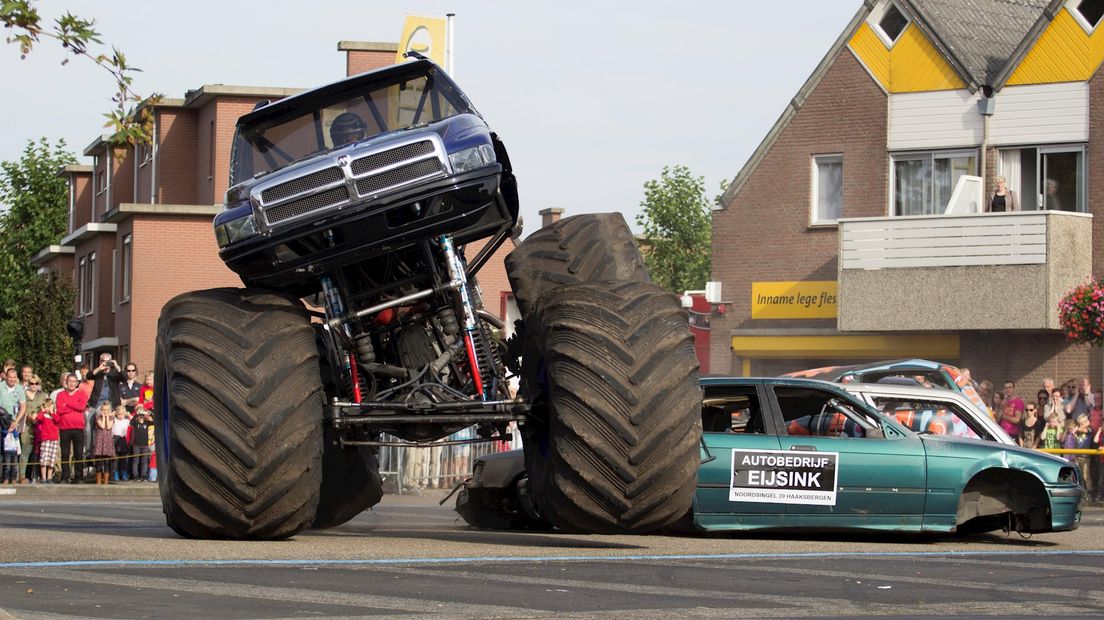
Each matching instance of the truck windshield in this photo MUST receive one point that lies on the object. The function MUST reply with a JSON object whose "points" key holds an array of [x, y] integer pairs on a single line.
{"points": [[337, 117]]}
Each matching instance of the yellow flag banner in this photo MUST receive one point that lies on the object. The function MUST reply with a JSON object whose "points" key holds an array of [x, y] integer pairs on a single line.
{"points": [[425, 35]]}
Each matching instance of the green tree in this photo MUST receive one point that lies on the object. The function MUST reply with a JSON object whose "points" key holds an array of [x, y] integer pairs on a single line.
{"points": [[39, 338], [675, 218], [25, 26], [37, 200]]}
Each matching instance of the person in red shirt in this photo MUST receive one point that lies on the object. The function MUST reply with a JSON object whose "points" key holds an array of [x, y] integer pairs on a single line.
{"points": [[46, 435], [70, 415]]}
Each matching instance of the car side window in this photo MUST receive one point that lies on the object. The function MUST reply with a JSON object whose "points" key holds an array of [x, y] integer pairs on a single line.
{"points": [[816, 413], [732, 410], [932, 416]]}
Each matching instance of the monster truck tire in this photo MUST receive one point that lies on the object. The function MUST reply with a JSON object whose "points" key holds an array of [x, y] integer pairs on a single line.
{"points": [[351, 482], [581, 248], [612, 444], [239, 415]]}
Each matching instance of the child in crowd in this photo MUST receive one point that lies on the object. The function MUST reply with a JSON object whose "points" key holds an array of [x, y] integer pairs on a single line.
{"points": [[120, 433], [9, 443], [1052, 433], [48, 436], [141, 437], [1081, 432], [102, 446]]}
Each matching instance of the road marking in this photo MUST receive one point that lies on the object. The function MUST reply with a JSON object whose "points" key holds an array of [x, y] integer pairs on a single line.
{"points": [[553, 558]]}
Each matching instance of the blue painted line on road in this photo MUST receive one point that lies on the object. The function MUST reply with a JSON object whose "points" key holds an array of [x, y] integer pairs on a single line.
{"points": [[549, 558]]}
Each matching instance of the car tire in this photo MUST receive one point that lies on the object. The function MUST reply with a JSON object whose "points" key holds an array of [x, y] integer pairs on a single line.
{"points": [[239, 415], [612, 442], [580, 248]]}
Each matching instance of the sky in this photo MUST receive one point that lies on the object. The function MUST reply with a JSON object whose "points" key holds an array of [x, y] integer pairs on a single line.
{"points": [[592, 99]]}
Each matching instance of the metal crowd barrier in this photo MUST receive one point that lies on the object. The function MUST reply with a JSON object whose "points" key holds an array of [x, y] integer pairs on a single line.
{"points": [[412, 469]]}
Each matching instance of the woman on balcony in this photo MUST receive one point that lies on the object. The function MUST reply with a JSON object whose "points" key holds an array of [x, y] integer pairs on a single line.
{"points": [[1002, 199]]}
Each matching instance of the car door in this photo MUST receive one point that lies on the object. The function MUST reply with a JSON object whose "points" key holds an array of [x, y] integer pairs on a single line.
{"points": [[734, 421], [880, 469]]}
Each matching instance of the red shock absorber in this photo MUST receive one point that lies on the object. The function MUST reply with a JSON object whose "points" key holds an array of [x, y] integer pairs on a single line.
{"points": [[354, 376], [473, 364]]}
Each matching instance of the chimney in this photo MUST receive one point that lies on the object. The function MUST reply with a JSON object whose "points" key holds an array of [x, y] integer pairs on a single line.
{"points": [[550, 216], [361, 56]]}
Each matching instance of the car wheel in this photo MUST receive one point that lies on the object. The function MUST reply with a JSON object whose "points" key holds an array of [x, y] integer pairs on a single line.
{"points": [[239, 415], [611, 445]]}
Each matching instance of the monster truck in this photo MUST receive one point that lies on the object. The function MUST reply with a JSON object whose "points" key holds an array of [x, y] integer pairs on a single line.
{"points": [[349, 215]]}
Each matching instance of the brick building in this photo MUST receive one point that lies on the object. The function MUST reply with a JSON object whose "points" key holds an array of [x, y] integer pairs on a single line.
{"points": [[140, 228], [858, 230]]}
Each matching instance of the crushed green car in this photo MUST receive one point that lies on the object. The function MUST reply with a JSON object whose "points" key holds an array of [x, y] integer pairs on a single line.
{"points": [[781, 453]]}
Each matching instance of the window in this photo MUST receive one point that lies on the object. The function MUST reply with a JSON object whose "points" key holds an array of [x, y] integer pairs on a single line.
{"points": [[1091, 11], [86, 282], [732, 410], [827, 188], [813, 413], [1046, 177], [124, 294], [144, 154], [924, 182], [211, 153], [82, 283], [892, 23], [114, 277], [100, 175], [935, 417]]}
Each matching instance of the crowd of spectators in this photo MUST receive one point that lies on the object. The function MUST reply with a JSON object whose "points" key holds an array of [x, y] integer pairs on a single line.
{"points": [[1059, 417], [96, 426]]}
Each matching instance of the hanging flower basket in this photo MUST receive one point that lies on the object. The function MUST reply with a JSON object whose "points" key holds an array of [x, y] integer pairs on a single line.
{"points": [[1081, 313]]}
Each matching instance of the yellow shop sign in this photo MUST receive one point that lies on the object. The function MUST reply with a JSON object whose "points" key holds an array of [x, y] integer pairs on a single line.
{"points": [[814, 299]]}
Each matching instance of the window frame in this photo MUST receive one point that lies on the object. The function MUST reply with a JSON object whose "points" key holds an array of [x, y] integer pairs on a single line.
{"points": [[814, 195], [1040, 151], [91, 284], [126, 268], [918, 155], [82, 285], [1074, 8], [875, 22]]}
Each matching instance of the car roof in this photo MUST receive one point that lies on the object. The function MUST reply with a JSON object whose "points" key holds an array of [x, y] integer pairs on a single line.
{"points": [[903, 390], [896, 365]]}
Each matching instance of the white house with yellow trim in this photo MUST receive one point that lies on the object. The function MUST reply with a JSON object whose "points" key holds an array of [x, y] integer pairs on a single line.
{"points": [[874, 189]]}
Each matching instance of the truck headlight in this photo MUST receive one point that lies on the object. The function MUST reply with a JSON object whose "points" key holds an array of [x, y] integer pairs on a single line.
{"points": [[235, 230], [472, 158]]}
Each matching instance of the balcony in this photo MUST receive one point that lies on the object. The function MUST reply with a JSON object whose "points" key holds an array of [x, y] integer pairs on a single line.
{"points": [[960, 272]]}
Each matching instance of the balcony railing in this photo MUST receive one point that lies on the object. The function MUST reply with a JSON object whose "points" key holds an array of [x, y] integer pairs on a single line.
{"points": [[960, 272]]}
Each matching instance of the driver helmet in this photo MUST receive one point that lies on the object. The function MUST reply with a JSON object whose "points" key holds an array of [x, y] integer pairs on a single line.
{"points": [[346, 128]]}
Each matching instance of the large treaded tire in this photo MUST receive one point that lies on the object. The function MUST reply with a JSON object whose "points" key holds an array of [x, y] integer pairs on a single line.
{"points": [[580, 248], [239, 415], [612, 445]]}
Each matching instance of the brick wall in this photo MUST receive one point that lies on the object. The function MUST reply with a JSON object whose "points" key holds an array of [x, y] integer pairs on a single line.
{"points": [[359, 61], [122, 177], [176, 156], [764, 234], [101, 323], [166, 265], [492, 277], [81, 186]]}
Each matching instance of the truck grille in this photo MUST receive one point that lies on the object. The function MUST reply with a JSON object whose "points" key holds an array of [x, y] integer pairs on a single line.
{"points": [[372, 174], [398, 176], [375, 161], [302, 184], [296, 208]]}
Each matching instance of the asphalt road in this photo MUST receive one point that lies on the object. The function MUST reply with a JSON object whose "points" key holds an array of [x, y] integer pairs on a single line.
{"points": [[409, 557]]}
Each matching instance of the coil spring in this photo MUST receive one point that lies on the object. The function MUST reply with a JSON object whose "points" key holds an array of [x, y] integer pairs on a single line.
{"points": [[488, 356]]}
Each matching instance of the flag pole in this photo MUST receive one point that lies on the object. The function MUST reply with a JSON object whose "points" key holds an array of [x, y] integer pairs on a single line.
{"points": [[450, 66]]}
